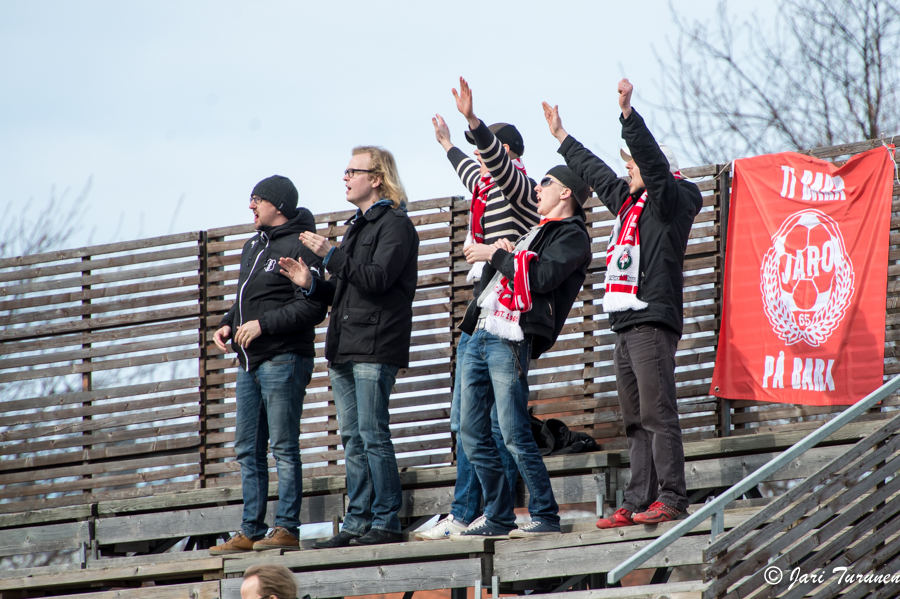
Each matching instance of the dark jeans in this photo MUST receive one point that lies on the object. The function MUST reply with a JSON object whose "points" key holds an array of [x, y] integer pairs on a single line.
{"points": [[361, 393], [492, 363], [644, 361], [467, 497], [269, 404]]}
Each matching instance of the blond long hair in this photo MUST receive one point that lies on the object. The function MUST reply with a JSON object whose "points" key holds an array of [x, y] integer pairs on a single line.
{"points": [[384, 166], [273, 580]]}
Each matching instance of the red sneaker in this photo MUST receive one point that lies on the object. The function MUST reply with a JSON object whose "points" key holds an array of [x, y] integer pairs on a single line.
{"points": [[620, 517], [659, 512]]}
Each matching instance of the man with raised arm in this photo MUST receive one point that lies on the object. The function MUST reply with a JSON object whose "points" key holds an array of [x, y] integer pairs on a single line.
{"points": [[492, 216], [520, 306], [644, 290], [274, 329], [371, 290]]}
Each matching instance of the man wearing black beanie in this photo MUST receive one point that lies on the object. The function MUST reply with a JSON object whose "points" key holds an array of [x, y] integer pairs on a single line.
{"points": [[521, 304], [273, 325], [644, 285]]}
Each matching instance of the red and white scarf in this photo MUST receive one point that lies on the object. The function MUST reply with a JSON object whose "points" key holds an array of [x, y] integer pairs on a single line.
{"points": [[476, 215], [623, 258], [505, 304]]}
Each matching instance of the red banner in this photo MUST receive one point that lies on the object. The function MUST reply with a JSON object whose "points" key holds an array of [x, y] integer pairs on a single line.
{"points": [[803, 313]]}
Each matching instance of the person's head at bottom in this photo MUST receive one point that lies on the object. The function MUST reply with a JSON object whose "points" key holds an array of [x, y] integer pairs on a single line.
{"points": [[268, 581]]}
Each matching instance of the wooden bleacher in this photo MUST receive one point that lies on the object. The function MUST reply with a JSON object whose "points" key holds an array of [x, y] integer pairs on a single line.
{"points": [[117, 436]]}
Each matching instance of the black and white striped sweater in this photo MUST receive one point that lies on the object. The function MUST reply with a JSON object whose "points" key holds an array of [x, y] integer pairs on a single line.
{"points": [[512, 202]]}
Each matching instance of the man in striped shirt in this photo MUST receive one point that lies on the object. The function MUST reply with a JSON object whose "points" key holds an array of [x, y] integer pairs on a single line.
{"points": [[504, 207]]}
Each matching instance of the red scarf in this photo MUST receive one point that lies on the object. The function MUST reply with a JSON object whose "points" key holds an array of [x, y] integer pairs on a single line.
{"points": [[504, 306], [479, 202], [623, 256]]}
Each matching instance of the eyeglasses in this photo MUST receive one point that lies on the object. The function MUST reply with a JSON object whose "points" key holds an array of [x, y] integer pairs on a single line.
{"points": [[352, 172], [256, 200], [548, 181]]}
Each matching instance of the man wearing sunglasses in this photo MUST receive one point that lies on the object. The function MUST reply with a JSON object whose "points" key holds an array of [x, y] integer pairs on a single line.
{"points": [[371, 290], [521, 303], [272, 327], [500, 209], [644, 284]]}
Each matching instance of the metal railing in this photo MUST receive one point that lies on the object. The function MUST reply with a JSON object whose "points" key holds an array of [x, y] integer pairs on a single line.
{"points": [[715, 509]]}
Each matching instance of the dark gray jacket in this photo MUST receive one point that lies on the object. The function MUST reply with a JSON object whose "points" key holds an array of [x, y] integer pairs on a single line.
{"points": [[371, 290]]}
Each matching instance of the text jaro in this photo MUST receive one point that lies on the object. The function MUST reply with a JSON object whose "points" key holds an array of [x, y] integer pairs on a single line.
{"points": [[810, 374]]}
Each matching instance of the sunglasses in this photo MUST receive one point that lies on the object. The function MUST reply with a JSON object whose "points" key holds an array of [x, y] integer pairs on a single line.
{"points": [[547, 181]]}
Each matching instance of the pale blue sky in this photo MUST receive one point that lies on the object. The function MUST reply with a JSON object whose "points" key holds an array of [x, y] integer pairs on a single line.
{"points": [[156, 101]]}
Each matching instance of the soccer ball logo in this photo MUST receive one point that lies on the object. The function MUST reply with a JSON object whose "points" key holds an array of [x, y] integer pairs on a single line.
{"points": [[806, 278]]}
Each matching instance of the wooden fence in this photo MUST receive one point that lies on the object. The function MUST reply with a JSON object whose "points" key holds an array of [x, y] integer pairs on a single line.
{"points": [[111, 387]]}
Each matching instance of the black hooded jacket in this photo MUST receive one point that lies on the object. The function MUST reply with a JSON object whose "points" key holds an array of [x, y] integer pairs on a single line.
{"points": [[564, 254], [287, 318], [665, 223]]}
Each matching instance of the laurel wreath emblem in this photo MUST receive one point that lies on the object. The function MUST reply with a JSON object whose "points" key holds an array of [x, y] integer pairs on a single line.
{"points": [[824, 321]]}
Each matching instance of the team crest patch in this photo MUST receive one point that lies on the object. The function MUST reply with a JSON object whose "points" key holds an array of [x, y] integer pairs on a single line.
{"points": [[624, 261], [806, 278], [271, 263]]}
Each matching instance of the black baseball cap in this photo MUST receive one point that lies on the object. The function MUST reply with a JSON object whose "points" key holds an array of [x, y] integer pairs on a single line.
{"points": [[507, 134]]}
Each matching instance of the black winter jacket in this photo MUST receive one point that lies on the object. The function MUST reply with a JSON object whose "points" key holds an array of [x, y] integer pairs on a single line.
{"points": [[664, 225], [556, 276], [371, 290], [286, 316]]}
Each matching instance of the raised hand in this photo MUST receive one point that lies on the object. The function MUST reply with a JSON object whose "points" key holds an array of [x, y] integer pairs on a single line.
{"points": [[441, 132], [464, 103], [625, 89], [318, 244], [296, 270], [551, 113]]}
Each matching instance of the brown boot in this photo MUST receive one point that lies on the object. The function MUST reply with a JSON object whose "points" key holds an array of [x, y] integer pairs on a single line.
{"points": [[278, 538], [238, 543]]}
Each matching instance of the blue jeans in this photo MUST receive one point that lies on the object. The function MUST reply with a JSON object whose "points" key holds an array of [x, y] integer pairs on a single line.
{"points": [[269, 404], [361, 393], [491, 362], [467, 497]]}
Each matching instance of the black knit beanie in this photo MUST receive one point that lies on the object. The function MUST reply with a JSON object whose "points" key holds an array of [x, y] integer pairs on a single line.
{"points": [[281, 192], [581, 191]]}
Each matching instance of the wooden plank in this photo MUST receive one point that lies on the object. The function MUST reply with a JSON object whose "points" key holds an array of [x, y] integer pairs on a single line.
{"points": [[100, 453], [148, 316], [725, 472], [37, 539], [103, 292], [191, 590], [220, 519], [29, 518], [99, 437], [671, 590], [573, 561], [102, 279], [378, 580], [142, 572], [104, 423], [95, 265], [96, 250], [100, 366], [92, 497], [9, 348], [99, 482], [392, 552], [101, 468]]}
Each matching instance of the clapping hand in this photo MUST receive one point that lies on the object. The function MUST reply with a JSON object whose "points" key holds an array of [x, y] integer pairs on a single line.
{"points": [[296, 270]]}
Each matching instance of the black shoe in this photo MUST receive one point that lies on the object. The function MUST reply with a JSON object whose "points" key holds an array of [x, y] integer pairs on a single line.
{"points": [[341, 539], [376, 536]]}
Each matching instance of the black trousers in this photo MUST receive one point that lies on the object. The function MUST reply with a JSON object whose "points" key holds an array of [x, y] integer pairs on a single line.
{"points": [[644, 361]]}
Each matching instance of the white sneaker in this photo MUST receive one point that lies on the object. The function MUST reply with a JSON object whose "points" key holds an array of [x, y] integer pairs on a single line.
{"points": [[442, 530]]}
